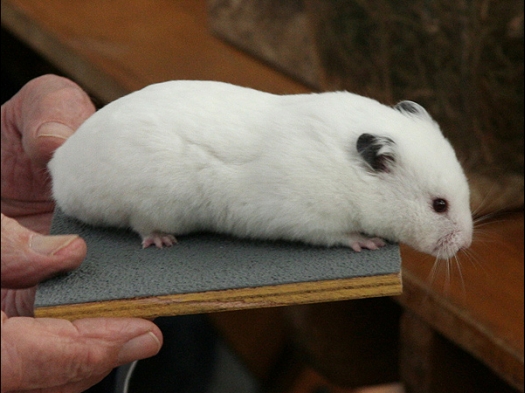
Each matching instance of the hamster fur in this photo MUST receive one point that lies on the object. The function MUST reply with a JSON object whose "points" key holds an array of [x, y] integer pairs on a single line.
{"points": [[326, 169]]}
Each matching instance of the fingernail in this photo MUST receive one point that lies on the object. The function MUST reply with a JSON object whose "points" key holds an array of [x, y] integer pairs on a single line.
{"points": [[54, 129], [50, 245], [139, 348]]}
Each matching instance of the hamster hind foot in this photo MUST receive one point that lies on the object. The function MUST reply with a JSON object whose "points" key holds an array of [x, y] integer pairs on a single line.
{"points": [[159, 239], [357, 242]]}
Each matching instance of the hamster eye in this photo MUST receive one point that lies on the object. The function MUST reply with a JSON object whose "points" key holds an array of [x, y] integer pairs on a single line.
{"points": [[440, 205]]}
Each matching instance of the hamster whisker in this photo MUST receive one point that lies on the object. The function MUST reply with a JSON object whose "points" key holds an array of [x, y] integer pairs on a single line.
{"points": [[486, 236], [448, 281], [462, 280], [446, 269], [475, 260], [441, 269], [484, 203], [433, 272], [488, 217], [487, 221]]}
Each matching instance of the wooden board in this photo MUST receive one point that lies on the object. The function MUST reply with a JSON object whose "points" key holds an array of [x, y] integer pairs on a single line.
{"points": [[112, 52], [206, 273], [481, 308]]}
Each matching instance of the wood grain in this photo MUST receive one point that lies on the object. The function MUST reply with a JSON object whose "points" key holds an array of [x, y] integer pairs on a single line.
{"points": [[481, 307], [233, 299], [112, 53], [429, 363]]}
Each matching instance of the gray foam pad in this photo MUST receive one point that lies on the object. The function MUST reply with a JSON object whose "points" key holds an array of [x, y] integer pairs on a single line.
{"points": [[116, 266]]}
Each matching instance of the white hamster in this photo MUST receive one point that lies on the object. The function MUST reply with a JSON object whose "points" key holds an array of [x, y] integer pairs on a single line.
{"points": [[326, 169]]}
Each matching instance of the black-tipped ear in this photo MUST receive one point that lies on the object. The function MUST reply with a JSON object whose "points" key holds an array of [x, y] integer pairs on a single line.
{"points": [[412, 109], [376, 151]]}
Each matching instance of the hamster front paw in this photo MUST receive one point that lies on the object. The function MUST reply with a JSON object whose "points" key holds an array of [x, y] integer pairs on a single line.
{"points": [[358, 241], [159, 239]]}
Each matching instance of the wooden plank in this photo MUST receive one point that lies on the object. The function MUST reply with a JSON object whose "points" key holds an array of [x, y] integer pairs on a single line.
{"points": [[432, 364], [481, 308], [64, 57], [112, 52], [206, 273], [234, 299]]}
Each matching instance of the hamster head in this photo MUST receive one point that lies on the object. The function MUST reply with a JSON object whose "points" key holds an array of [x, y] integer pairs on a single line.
{"points": [[422, 194]]}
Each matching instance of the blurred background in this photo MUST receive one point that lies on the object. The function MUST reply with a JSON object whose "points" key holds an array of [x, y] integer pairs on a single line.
{"points": [[462, 60]]}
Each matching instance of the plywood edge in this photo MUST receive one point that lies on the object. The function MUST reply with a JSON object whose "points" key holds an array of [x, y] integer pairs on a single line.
{"points": [[231, 299]]}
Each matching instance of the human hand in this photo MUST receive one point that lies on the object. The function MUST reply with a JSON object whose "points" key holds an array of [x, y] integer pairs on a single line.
{"points": [[36, 121], [54, 355], [49, 355]]}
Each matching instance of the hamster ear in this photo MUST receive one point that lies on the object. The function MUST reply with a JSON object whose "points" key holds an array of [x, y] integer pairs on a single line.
{"points": [[410, 108], [377, 152]]}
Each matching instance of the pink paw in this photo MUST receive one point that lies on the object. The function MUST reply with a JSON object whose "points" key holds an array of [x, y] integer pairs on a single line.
{"points": [[358, 242], [158, 239]]}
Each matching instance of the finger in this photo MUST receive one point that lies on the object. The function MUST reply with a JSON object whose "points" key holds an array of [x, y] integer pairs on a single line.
{"points": [[19, 302], [46, 111], [51, 353], [28, 257]]}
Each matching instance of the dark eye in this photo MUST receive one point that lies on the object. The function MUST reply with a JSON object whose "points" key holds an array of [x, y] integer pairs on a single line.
{"points": [[440, 205]]}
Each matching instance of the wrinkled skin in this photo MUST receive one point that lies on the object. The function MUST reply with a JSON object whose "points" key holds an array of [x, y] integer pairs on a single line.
{"points": [[50, 355]]}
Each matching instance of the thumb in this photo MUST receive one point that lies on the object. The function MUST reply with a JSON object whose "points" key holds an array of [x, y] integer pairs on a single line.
{"points": [[52, 107], [48, 354], [28, 257]]}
